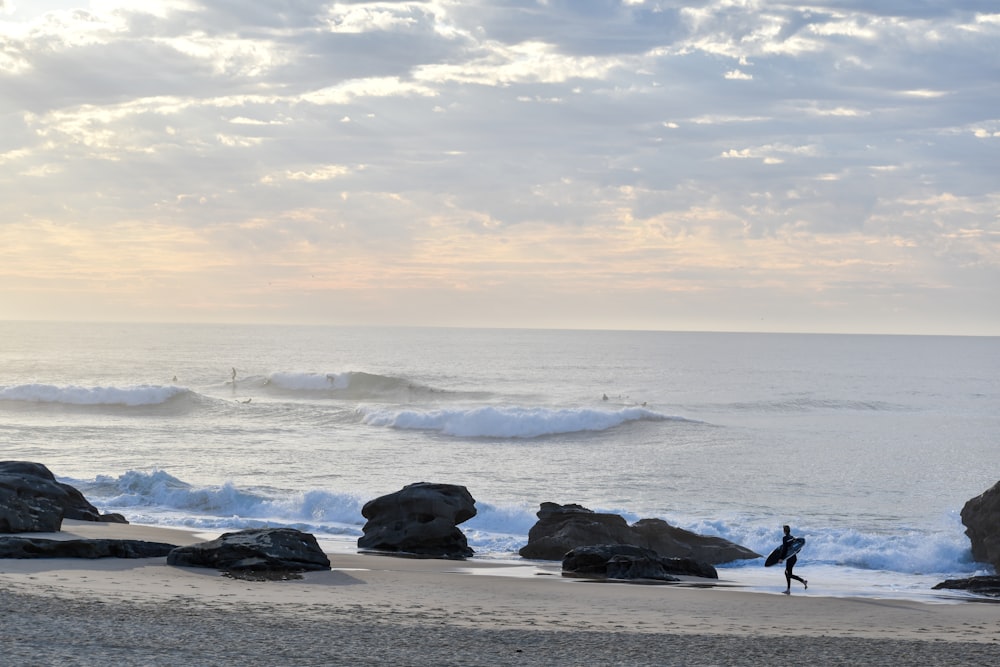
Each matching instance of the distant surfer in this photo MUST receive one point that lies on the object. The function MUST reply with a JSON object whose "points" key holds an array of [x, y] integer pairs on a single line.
{"points": [[786, 542]]}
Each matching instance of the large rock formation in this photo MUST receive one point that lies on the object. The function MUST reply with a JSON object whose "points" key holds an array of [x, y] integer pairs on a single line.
{"points": [[624, 561], [420, 519], [981, 517], [32, 501], [255, 549], [35, 547], [561, 528]]}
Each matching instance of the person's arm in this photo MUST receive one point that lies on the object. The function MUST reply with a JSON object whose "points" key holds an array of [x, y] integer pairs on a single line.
{"points": [[785, 541]]}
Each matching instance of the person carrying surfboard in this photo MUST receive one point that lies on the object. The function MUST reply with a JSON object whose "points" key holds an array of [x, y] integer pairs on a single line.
{"points": [[786, 545]]}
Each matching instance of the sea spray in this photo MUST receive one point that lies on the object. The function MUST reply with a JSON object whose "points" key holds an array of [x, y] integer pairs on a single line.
{"points": [[157, 497]]}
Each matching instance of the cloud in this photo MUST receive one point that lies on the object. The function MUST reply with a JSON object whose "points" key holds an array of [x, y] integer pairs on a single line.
{"points": [[826, 157]]}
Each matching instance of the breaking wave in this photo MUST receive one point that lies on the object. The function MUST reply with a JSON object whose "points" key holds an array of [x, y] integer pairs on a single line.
{"points": [[507, 422], [130, 396], [348, 385]]}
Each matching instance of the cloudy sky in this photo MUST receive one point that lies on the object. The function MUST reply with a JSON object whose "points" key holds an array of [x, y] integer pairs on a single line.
{"points": [[626, 164]]}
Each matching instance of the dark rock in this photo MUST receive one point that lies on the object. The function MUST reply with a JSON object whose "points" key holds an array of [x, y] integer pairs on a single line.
{"points": [[630, 567], [256, 549], [561, 528], [624, 561], [36, 547], [420, 519], [981, 517], [32, 501], [988, 585], [593, 559]]}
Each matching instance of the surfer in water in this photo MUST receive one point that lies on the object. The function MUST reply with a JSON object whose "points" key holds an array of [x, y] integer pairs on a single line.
{"points": [[790, 562]]}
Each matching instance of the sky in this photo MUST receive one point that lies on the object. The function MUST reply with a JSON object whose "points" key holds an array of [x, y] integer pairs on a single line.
{"points": [[726, 165]]}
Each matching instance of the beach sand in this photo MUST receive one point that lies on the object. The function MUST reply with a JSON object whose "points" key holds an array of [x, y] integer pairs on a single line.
{"points": [[380, 610]]}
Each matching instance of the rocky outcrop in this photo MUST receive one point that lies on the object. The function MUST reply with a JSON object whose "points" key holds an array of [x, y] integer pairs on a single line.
{"points": [[988, 585], [35, 547], [623, 561], [981, 517], [32, 501], [561, 528], [255, 549], [420, 519]]}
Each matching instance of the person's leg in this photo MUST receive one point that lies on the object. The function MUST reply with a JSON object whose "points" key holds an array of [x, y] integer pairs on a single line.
{"points": [[789, 565]]}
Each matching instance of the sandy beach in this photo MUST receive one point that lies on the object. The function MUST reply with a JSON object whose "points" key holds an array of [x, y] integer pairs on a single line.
{"points": [[377, 610]]}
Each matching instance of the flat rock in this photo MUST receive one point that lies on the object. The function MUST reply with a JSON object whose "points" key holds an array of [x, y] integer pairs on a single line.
{"points": [[255, 549], [36, 547], [987, 585], [624, 561]]}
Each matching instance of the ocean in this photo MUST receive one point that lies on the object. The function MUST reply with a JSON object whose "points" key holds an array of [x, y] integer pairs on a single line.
{"points": [[868, 446]]}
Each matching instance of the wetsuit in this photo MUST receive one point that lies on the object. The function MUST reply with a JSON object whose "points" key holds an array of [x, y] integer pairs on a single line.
{"points": [[790, 562]]}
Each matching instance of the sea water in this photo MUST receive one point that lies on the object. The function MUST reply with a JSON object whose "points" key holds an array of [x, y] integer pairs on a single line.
{"points": [[868, 446]]}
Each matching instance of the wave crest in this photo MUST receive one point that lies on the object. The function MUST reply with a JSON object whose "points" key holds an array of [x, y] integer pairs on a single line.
{"points": [[350, 385], [129, 396], [507, 422]]}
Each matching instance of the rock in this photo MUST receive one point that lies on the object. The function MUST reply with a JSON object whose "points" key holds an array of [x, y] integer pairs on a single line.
{"points": [[616, 561], [36, 547], [420, 519], [256, 549], [32, 501], [625, 561], [988, 585], [981, 517], [674, 542], [630, 567], [561, 528]]}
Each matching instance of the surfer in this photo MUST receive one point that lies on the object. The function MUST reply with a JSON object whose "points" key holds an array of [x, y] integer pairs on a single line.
{"points": [[790, 563]]}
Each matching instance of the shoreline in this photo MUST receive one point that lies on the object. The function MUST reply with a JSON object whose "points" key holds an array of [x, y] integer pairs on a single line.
{"points": [[371, 601]]}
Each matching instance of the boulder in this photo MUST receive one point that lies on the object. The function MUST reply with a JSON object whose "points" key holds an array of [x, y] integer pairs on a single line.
{"points": [[36, 547], [988, 585], [255, 549], [561, 528], [981, 517], [420, 519], [632, 567], [625, 561], [598, 559], [32, 501]]}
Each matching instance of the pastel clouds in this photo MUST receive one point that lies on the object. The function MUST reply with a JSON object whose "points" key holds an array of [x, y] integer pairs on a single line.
{"points": [[629, 163]]}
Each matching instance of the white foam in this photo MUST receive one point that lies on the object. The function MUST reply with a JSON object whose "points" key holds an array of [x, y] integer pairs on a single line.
{"points": [[160, 498]]}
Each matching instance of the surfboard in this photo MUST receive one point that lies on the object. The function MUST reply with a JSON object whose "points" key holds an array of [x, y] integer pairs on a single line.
{"points": [[794, 547]]}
